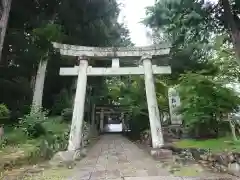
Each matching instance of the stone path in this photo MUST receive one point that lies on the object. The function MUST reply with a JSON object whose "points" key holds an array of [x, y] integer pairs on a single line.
{"points": [[116, 158]]}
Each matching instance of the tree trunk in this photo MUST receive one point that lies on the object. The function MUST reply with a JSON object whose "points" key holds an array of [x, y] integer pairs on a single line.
{"points": [[6, 5], [1, 132], [233, 129], [234, 32], [238, 129], [39, 85]]}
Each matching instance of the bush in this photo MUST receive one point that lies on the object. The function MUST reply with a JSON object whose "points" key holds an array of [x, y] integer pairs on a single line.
{"points": [[67, 114], [138, 124], [15, 136], [4, 114], [4, 111], [61, 102], [31, 123], [56, 138]]}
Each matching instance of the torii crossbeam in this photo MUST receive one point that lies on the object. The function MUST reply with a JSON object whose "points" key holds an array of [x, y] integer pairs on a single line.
{"points": [[144, 54]]}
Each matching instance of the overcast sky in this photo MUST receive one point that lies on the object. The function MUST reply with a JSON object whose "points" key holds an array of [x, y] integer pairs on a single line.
{"points": [[132, 12]]}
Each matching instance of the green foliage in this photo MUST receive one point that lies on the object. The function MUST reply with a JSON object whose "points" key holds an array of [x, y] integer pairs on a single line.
{"points": [[186, 25], [204, 102], [15, 137], [225, 60], [50, 32], [56, 138], [4, 111], [17, 149], [31, 28], [130, 92], [44, 36], [31, 123], [67, 114], [138, 124], [62, 101]]}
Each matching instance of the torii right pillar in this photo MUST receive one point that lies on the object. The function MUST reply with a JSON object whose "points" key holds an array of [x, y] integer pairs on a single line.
{"points": [[153, 111]]}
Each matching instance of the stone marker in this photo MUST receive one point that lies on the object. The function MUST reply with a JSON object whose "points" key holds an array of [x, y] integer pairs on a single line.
{"points": [[174, 104]]}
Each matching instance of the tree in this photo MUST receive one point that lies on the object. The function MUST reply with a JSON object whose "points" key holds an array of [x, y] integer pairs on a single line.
{"points": [[42, 39], [4, 16], [203, 36], [186, 25], [204, 102], [189, 20], [90, 23], [231, 18]]}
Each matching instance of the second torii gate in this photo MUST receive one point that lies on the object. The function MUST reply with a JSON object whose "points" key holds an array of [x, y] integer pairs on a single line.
{"points": [[144, 54]]}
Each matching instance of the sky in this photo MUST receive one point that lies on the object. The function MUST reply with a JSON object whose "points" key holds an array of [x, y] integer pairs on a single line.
{"points": [[132, 12]]}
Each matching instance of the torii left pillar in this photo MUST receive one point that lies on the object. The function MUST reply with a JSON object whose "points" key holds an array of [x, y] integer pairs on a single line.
{"points": [[78, 110]]}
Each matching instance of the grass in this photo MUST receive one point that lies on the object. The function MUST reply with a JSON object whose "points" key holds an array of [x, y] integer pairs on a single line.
{"points": [[215, 145], [188, 171], [59, 173]]}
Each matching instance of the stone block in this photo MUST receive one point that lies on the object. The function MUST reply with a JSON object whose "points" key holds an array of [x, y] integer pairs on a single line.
{"points": [[65, 158], [234, 168], [161, 153]]}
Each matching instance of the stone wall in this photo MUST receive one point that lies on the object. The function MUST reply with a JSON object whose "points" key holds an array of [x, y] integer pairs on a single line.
{"points": [[170, 133], [220, 162]]}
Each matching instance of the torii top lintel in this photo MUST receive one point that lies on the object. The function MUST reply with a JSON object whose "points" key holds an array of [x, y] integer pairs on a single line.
{"points": [[73, 50]]}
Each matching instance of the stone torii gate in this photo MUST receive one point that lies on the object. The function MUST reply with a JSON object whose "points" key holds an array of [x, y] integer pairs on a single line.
{"points": [[84, 54], [103, 111]]}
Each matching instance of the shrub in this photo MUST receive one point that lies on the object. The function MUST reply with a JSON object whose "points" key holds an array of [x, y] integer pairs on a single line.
{"points": [[4, 114], [67, 114], [15, 136], [138, 124], [4, 111], [32, 123], [61, 102], [56, 138]]}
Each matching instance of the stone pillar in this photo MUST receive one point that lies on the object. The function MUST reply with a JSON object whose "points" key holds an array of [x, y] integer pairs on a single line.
{"points": [[74, 87], [93, 115], [78, 110], [123, 122], [153, 111], [101, 120], [93, 121], [39, 85], [174, 104]]}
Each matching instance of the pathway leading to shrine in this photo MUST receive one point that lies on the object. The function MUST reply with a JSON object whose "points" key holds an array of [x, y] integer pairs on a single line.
{"points": [[115, 157]]}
